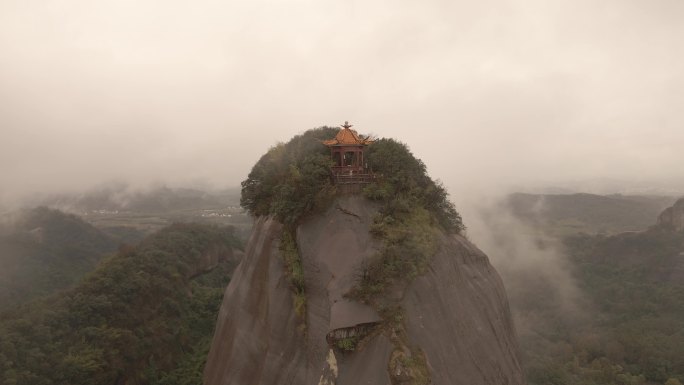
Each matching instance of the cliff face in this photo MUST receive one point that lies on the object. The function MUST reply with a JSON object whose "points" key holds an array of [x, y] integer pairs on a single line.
{"points": [[672, 218], [456, 314]]}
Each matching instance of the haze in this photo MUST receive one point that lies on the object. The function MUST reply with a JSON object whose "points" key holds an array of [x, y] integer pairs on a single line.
{"points": [[489, 94]]}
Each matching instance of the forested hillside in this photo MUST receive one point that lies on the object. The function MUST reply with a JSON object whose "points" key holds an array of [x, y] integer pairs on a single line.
{"points": [[154, 200], [129, 213], [623, 324], [44, 250], [144, 316]]}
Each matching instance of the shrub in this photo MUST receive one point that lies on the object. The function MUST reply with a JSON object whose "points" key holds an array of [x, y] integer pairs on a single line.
{"points": [[291, 179], [404, 183], [295, 271], [347, 344]]}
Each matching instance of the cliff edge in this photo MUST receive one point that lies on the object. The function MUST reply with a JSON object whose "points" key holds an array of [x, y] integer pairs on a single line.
{"points": [[455, 322], [672, 218]]}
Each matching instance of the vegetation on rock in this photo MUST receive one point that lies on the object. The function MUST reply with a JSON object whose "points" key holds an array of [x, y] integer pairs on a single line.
{"points": [[291, 179], [409, 368], [295, 271], [414, 209], [404, 182], [347, 344], [294, 179], [409, 240]]}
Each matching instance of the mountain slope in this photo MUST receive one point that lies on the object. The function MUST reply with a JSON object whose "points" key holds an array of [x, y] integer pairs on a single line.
{"points": [[618, 315], [144, 316], [44, 250]]}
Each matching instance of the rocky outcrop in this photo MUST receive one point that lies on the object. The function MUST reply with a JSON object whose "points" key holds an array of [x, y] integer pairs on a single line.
{"points": [[456, 314], [213, 257], [672, 218]]}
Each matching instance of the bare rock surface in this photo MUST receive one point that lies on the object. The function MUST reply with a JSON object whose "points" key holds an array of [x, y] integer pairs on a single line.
{"points": [[457, 313], [215, 255], [672, 218], [256, 339], [333, 247]]}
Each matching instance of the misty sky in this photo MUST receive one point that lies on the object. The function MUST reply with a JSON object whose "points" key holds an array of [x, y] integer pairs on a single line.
{"points": [[487, 93]]}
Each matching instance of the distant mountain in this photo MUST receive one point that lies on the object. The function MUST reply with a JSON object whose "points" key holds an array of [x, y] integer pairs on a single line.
{"points": [[655, 255], [156, 200], [672, 218], [130, 214], [564, 214], [144, 316], [44, 250]]}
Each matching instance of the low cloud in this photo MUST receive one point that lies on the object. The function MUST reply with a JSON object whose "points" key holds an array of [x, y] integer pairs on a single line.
{"points": [[536, 272]]}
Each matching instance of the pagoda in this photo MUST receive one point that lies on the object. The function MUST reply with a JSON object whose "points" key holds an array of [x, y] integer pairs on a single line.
{"points": [[346, 151]]}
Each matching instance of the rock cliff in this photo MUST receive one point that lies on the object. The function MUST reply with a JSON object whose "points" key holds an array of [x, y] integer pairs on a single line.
{"points": [[456, 314], [672, 218]]}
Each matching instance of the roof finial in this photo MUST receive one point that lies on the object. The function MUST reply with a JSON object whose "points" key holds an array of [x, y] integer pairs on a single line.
{"points": [[347, 125]]}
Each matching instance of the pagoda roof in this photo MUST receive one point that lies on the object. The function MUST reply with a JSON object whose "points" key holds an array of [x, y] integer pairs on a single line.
{"points": [[347, 136]]}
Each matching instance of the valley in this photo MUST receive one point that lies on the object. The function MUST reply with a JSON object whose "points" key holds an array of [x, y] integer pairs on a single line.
{"points": [[598, 292], [618, 321]]}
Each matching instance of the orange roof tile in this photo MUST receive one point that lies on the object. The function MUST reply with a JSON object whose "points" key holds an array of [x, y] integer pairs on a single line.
{"points": [[347, 136]]}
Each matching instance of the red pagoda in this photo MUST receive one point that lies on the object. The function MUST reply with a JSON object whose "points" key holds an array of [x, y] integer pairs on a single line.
{"points": [[346, 150]]}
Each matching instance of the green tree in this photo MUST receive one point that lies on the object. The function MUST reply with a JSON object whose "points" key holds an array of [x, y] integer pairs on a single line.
{"points": [[291, 179]]}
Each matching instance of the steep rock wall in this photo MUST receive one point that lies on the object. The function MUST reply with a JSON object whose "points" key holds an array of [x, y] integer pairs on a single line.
{"points": [[256, 339], [456, 313], [215, 255], [672, 218]]}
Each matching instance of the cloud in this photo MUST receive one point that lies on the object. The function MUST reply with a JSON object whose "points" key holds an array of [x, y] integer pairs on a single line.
{"points": [[535, 270], [493, 93]]}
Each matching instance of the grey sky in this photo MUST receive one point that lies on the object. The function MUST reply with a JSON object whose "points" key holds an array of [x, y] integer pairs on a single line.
{"points": [[487, 93]]}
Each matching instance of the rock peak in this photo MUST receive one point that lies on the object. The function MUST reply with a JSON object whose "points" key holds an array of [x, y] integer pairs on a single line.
{"points": [[672, 218], [452, 324]]}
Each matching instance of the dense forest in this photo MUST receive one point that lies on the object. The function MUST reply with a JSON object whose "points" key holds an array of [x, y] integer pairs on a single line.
{"points": [[44, 250], [293, 179], [144, 316], [626, 326]]}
